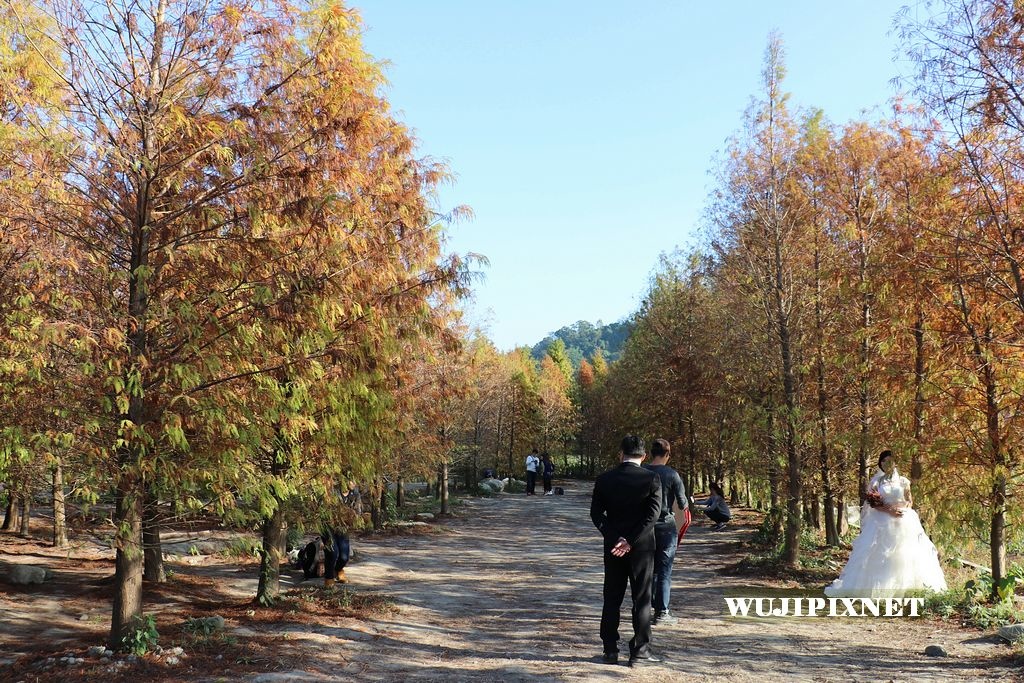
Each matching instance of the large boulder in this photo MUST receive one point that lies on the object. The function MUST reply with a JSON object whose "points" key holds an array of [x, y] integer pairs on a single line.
{"points": [[495, 485], [25, 574], [1012, 632]]}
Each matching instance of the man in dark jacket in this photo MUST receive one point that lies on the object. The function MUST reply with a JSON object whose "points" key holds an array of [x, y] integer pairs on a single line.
{"points": [[625, 506]]}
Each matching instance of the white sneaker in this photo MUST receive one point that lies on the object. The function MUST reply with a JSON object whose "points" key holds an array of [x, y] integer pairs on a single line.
{"points": [[550, 493]]}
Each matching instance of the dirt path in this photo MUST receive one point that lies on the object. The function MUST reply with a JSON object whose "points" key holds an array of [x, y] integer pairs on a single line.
{"points": [[489, 602], [485, 601]]}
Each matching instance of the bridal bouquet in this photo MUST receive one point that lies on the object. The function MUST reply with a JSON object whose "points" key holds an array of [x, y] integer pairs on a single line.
{"points": [[874, 499]]}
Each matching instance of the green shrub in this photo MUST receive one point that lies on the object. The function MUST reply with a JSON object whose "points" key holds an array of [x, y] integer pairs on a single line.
{"points": [[142, 635], [971, 602], [294, 537], [243, 546], [766, 533]]}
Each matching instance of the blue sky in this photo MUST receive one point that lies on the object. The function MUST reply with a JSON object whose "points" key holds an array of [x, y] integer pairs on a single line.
{"points": [[583, 134]]}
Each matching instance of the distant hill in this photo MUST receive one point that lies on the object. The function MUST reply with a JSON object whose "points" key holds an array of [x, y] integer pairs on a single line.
{"points": [[583, 338]]}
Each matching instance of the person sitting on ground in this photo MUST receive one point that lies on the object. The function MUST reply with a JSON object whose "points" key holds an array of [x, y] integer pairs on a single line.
{"points": [[716, 508]]}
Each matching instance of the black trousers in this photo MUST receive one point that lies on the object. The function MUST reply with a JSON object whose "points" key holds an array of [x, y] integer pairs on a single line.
{"points": [[531, 482], [637, 567], [547, 484], [717, 516], [337, 549]]}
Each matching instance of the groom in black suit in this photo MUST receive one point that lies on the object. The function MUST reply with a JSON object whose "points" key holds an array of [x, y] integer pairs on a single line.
{"points": [[625, 507]]}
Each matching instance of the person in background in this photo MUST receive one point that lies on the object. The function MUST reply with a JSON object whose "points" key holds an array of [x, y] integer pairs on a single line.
{"points": [[547, 472], [666, 530], [532, 465], [716, 508]]}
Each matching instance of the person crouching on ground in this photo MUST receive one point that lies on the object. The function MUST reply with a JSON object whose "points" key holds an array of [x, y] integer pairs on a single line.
{"points": [[716, 508]]}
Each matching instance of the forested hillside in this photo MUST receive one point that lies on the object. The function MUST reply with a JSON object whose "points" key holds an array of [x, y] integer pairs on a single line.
{"points": [[583, 339]]}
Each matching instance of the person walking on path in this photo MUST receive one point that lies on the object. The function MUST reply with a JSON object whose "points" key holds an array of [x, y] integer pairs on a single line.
{"points": [[625, 507], [547, 472], [532, 465], [716, 508], [666, 533]]}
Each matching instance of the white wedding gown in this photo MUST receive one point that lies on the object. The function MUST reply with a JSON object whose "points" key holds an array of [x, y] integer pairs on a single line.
{"points": [[892, 555]]}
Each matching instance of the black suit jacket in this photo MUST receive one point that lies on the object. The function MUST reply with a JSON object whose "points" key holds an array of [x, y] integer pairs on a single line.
{"points": [[626, 504]]}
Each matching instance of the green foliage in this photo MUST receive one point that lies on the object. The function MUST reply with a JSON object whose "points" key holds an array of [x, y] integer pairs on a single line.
{"points": [[581, 339], [243, 546], [200, 626], [294, 536], [390, 511], [971, 602], [767, 532], [142, 635], [981, 588]]}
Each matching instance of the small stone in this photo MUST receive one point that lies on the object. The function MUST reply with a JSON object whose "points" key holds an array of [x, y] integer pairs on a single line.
{"points": [[936, 651], [219, 657], [177, 651], [132, 659], [108, 653], [172, 660], [96, 651], [84, 617]]}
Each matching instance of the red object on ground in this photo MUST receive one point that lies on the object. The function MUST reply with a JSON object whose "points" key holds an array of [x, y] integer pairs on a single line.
{"points": [[684, 525]]}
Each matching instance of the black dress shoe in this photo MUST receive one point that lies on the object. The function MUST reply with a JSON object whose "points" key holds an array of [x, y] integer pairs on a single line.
{"points": [[645, 659], [610, 658]]}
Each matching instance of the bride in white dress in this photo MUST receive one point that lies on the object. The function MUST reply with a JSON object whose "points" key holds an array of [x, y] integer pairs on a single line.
{"points": [[892, 555]]}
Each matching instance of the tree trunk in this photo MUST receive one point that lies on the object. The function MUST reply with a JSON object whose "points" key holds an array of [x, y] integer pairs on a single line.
{"points": [[26, 514], [916, 466], [824, 461], [376, 513], [269, 587], [130, 487], [443, 485], [791, 545], [511, 436], [997, 535], [11, 512], [864, 391], [841, 525], [400, 493], [153, 554], [60, 527], [128, 561]]}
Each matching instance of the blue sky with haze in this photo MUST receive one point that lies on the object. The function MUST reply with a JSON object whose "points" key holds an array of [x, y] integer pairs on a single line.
{"points": [[583, 134]]}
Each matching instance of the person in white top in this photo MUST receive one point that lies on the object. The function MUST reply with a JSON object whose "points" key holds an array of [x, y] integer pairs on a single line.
{"points": [[532, 466], [892, 555]]}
